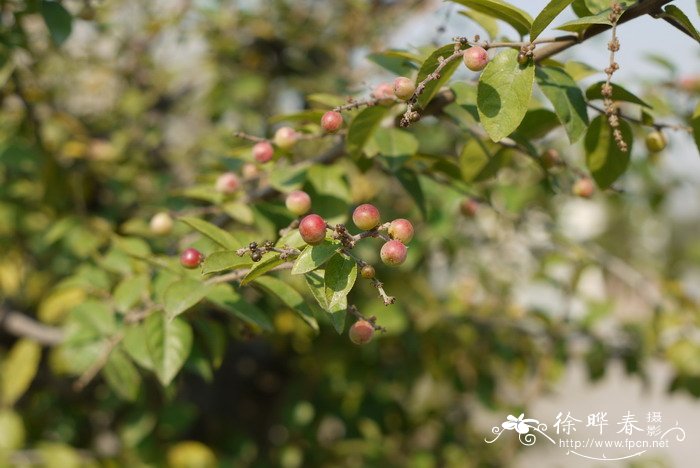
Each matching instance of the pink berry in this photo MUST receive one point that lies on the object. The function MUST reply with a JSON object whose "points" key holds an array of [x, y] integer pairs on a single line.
{"points": [[469, 207], [191, 258], [285, 138], [476, 58], [393, 253], [384, 93], [361, 332], [298, 202], [404, 88], [227, 183], [366, 217], [331, 121], [401, 230], [263, 151], [312, 229], [583, 187]]}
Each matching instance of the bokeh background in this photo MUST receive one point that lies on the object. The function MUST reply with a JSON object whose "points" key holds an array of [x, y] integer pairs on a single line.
{"points": [[541, 303]]}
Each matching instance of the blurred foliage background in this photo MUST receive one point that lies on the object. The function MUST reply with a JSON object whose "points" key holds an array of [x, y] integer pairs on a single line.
{"points": [[124, 108]]}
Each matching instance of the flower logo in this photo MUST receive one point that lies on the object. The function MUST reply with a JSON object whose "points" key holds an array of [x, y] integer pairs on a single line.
{"points": [[519, 424]]}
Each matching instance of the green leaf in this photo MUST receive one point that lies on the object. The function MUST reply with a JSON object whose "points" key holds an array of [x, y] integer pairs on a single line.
{"points": [[91, 319], [134, 344], [581, 24], [410, 182], [58, 20], [316, 283], [695, 123], [269, 261], [215, 233], [397, 146], [362, 127], [314, 256], [121, 375], [182, 295], [567, 99], [489, 24], [225, 297], [519, 19], [130, 291], [537, 123], [399, 62], [18, 370], [395, 143], [503, 94], [604, 159], [546, 16], [223, 261], [289, 296], [619, 93], [169, 343], [429, 67], [674, 14], [340, 276], [473, 159]]}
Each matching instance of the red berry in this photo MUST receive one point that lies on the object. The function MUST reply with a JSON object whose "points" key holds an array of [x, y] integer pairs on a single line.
{"points": [[404, 88], [393, 253], [402, 230], [583, 188], [361, 332], [384, 93], [476, 58], [312, 229], [298, 202], [331, 121], [469, 207], [285, 138], [366, 217], [263, 151], [227, 183], [191, 258]]}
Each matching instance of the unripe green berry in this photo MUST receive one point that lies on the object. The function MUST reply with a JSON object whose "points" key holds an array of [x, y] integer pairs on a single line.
{"points": [[550, 158], [384, 93], [469, 207], [285, 138], [404, 88], [366, 217], [331, 121], [263, 151], [298, 202], [227, 183], [312, 229], [361, 332], [656, 141], [161, 224], [393, 253], [583, 187], [191, 258], [523, 58], [401, 230], [367, 272], [476, 58]]}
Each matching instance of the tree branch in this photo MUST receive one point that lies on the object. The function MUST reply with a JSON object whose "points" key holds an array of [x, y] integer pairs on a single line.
{"points": [[19, 324], [641, 8]]}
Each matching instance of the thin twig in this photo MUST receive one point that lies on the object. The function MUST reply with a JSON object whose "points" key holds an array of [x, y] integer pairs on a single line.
{"points": [[99, 363]]}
